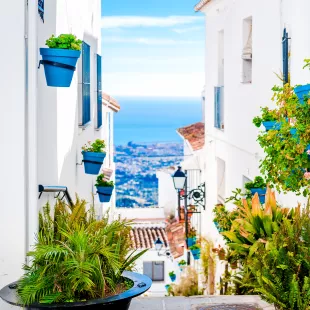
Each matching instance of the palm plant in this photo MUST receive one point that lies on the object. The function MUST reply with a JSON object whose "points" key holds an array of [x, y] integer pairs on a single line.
{"points": [[76, 257]]}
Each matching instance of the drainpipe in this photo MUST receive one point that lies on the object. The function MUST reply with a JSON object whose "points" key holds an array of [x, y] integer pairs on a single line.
{"points": [[31, 124]]}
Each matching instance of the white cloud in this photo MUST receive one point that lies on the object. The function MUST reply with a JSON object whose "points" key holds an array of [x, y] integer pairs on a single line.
{"points": [[156, 85], [147, 21], [186, 30], [147, 41]]}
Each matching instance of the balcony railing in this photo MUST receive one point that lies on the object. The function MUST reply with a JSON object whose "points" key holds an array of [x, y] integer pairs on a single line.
{"points": [[219, 107]]}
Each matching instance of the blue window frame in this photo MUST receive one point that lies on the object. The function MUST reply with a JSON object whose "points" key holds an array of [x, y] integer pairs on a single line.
{"points": [[285, 39], [85, 84], [219, 107], [99, 92]]}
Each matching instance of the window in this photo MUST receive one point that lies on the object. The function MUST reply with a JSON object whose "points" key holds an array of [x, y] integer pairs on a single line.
{"points": [[85, 84], [154, 270], [99, 93], [219, 107], [247, 52], [285, 51]]}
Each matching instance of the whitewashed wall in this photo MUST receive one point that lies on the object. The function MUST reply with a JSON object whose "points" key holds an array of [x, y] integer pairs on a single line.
{"points": [[236, 145], [12, 136]]}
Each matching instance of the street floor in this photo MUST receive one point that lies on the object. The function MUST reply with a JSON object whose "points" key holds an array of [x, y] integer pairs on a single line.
{"points": [[200, 303]]}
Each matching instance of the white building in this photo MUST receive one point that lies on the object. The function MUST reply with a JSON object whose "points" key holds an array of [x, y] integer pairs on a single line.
{"points": [[43, 128], [243, 53]]}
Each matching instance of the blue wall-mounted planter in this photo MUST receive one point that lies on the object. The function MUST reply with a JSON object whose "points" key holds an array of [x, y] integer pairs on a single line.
{"points": [[167, 287], [59, 65], [196, 254], [301, 92], [173, 277], [191, 241], [294, 133], [93, 162], [104, 193], [261, 193], [181, 267], [274, 125]]}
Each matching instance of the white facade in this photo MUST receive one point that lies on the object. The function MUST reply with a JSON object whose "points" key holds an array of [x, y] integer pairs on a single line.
{"points": [[40, 134], [232, 153]]}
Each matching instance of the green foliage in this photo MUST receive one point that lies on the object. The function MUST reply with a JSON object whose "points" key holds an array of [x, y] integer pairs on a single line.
{"points": [[64, 41], [286, 160], [267, 115], [182, 262], [192, 233], [171, 273], [273, 245], [194, 247], [257, 183], [100, 181], [76, 257], [97, 146]]}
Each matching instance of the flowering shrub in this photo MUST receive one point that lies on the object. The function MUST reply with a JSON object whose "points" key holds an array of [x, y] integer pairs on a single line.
{"points": [[286, 164], [97, 146]]}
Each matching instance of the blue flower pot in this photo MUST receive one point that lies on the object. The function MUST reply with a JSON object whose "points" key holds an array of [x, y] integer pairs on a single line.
{"points": [[59, 65], [167, 287], [105, 193], [196, 254], [181, 267], [191, 241], [173, 277], [217, 226], [301, 92], [274, 125], [294, 133], [93, 162], [261, 193]]}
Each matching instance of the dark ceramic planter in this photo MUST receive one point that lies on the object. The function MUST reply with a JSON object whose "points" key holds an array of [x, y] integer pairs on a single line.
{"points": [[117, 302]]}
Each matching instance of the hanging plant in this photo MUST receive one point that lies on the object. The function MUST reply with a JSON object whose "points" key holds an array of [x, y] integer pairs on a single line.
{"points": [[59, 60], [258, 186], [104, 188], [268, 119], [195, 250], [172, 276], [286, 164], [93, 156]]}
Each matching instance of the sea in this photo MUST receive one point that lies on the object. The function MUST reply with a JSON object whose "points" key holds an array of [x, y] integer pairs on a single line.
{"points": [[154, 119]]}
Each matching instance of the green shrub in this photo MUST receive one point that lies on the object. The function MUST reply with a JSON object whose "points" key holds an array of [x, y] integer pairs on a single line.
{"points": [[76, 257], [97, 146], [257, 183], [101, 181]]}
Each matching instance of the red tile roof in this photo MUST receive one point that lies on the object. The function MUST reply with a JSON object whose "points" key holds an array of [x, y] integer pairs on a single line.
{"points": [[194, 134], [176, 238], [201, 4], [111, 102], [145, 237]]}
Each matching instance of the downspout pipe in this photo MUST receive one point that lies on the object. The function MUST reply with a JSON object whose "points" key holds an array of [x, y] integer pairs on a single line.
{"points": [[31, 125]]}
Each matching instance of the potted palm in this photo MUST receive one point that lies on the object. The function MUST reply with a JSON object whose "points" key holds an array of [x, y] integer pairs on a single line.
{"points": [[182, 264], [172, 276], [104, 188], [78, 262], [195, 250], [258, 186], [60, 59], [93, 156]]}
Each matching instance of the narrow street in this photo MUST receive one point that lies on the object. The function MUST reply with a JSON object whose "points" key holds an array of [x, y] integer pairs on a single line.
{"points": [[200, 303]]}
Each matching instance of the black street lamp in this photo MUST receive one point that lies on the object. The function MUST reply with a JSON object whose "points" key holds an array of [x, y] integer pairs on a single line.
{"points": [[179, 179], [158, 246]]}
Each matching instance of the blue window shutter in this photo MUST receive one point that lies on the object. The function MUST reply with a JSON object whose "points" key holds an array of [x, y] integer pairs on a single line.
{"points": [[285, 56], [85, 83], [99, 92]]}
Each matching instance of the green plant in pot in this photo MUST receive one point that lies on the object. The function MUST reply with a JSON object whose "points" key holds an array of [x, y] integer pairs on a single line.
{"points": [[195, 250], [104, 188], [182, 263], [93, 156], [258, 186], [59, 60], [78, 262], [172, 276], [268, 119]]}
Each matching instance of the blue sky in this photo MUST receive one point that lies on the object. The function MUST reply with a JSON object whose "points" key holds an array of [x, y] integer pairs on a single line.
{"points": [[152, 48]]}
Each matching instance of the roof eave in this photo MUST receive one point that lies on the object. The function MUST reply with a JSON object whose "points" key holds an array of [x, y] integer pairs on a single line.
{"points": [[201, 4]]}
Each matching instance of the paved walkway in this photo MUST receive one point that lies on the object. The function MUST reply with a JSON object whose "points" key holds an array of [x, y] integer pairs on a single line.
{"points": [[200, 303]]}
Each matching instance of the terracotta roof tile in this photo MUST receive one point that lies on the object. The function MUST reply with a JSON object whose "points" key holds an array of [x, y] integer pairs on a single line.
{"points": [[201, 4], [194, 134], [113, 103], [145, 237]]}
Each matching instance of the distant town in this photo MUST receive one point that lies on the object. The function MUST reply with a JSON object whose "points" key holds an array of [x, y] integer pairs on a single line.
{"points": [[136, 166]]}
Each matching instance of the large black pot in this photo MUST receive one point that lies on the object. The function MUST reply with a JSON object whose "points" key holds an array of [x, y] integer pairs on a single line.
{"points": [[117, 302]]}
